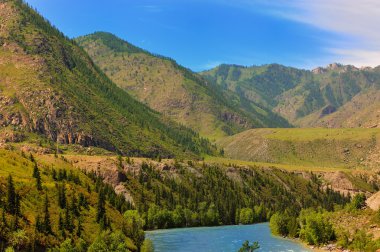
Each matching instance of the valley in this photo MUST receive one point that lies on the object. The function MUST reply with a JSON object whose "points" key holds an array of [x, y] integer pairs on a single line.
{"points": [[101, 141]]}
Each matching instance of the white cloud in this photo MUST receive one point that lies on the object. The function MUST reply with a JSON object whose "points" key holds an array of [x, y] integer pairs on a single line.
{"points": [[357, 20]]}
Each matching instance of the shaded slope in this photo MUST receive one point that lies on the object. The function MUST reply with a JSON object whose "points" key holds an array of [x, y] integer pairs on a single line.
{"points": [[49, 85], [303, 97], [173, 90]]}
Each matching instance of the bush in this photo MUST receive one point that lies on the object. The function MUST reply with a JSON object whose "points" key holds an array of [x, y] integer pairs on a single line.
{"points": [[246, 216], [363, 242], [110, 242], [147, 246], [358, 201], [315, 228], [279, 224]]}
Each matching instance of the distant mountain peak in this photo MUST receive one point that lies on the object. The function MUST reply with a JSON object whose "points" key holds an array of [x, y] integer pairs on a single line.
{"points": [[337, 67]]}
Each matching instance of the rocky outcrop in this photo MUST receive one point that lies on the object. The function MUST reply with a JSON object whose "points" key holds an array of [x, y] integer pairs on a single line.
{"points": [[373, 202]]}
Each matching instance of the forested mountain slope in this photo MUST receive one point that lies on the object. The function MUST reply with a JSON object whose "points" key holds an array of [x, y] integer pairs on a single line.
{"points": [[49, 86], [177, 92], [335, 96], [49, 203]]}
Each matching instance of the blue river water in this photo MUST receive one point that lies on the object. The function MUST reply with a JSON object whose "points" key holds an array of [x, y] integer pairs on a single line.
{"points": [[220, 239]]}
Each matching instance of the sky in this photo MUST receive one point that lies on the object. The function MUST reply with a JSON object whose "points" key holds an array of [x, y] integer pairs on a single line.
{"points": [[201, 34]]}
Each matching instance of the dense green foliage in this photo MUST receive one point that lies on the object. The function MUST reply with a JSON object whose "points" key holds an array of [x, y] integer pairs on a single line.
{"points": [[319, 227], [315, 228], [311, 226], [207, 195]]}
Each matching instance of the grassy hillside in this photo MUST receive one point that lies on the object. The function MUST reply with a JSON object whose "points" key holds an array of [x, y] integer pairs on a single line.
{"points": [[49, 86], [315, 147], [173, 90], [335, 96], [42, 221]]}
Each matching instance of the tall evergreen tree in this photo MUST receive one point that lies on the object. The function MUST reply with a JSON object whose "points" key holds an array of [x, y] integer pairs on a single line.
{"points": [[101, 209], [37, 176], [79, 228], [61, 224], [11, 196], [39, 226], [62, 196], [69, 225], [47, 223]]}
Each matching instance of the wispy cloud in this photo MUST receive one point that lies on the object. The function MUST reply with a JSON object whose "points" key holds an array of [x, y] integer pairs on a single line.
{"points": [[357, 20], [151, 8], [209, 65]]}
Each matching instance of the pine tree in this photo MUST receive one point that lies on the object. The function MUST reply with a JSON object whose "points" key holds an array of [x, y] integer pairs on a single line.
{"points": [[69, 225], [37, 176], [79, 228], [74, 206], [39, 226], [11, 196], [15, 224], [101, 210], [54, 175], [17, 205], [4, 219], [47, 223], [32, 158], [61, 224], [62, 196], [35, 170]]}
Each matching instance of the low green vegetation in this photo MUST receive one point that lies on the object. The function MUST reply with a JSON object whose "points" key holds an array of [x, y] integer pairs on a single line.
{"points": [[319, 227], [308, 147]]}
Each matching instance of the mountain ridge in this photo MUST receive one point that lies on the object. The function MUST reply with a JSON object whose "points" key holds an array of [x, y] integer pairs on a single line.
{"points": [[51, 87], [305, 97], [172, 89]]}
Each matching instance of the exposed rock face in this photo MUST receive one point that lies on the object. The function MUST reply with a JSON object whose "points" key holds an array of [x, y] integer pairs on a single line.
{"points": [[319, 70], [44, 112], [373, 202], [231, 117]]}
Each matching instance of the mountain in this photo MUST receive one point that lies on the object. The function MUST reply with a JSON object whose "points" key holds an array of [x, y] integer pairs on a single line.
{"points": [[175, 91], [334, 96], [50, 87]]}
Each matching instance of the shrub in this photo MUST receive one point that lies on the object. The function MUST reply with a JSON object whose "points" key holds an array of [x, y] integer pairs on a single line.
{"points": [[279, 224], [315, 228]]}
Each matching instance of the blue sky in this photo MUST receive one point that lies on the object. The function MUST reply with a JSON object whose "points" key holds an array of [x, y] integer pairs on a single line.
{"points": [[201, 34]]}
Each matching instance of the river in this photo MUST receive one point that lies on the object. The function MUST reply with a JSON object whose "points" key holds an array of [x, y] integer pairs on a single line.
{"points": [[220, 239]]}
